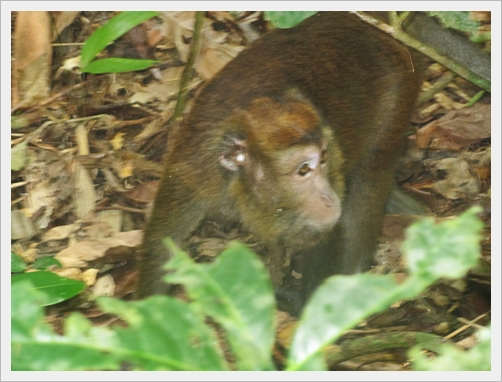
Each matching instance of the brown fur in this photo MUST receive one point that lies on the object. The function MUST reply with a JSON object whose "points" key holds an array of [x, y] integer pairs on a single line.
{"points": [[332, 80]]}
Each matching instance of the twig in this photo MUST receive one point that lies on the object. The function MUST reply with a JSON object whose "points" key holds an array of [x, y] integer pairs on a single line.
{"points": [[476, 98], [120, 208], [395, 30], [189, 68], [381, 342], [52, 98], [467, 325], [439, 85]]}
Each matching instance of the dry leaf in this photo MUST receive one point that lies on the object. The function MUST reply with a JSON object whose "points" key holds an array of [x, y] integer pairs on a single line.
{"points": [[29, 255], [89, 276], [105, 286], [213, 57], [126, 169], [447, 103], [160, 91], [84, 192], [456, 180], [21, 227], [480, 15], [286, 327], [457, 129], [119, 247], [117, 141], [394, 226], [468, 342], [32, 58], [42, 196], [62, 20], [143, 193], [60, 232], [177, 27], [82, 139], [112, 218], [71, 273]]}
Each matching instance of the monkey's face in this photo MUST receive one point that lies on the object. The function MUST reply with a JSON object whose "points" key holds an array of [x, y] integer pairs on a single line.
{"points": [[303, 187], [282, 161], [292, 198]]}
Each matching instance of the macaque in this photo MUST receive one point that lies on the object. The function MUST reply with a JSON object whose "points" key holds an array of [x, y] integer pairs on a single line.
{"points": [[296, 139]]}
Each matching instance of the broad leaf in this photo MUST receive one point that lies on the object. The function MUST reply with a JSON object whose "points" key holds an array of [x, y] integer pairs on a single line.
{"points": [[112, 30], [117, 65], [236, 292], [165, 334], [287, 19], [56, 288]]}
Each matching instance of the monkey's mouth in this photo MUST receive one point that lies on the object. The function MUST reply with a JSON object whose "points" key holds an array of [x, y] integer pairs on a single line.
{"points": [[302, 235]]}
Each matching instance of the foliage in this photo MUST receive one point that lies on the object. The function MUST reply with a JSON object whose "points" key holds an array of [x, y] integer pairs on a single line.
{"points": [[432, 250], [46, 262], [105, 35], [35, 346], [17, 263], [19, 156], [459, 20], [163, 333], [452, 358], [56, 288], [234, 295], [428, 251], [287, 19]]}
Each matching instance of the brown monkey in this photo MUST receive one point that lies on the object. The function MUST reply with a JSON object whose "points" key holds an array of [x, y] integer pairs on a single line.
{"points": [[297, 139]]}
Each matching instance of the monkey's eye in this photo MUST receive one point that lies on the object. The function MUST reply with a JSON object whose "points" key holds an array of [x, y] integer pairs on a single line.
{"points": [[304, 169]]}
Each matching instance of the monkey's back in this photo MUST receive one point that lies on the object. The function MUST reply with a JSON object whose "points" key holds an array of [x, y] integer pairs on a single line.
{"points": [[350, 71]]}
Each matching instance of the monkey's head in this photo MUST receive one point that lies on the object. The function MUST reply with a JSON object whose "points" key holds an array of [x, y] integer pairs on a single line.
{"points": [[285, 170]]}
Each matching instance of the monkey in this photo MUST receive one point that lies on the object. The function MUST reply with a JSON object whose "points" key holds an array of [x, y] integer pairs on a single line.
{"points": [[297, 139]]}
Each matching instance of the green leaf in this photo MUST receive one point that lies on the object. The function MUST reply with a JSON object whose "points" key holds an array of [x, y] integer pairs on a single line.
{"points": [[459, 20], [452, 358], [17, 263], [338, 305], [56, 288], [46, 262], [165, 334], [236, 292], [26, 312], [287, 19], [117, 65], [35, 346], [109, 32], [448, 249], [19, 156], [56, 353], [433, 251], [481, 36]]}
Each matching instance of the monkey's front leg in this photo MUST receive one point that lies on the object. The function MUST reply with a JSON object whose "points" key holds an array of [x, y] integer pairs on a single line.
{"points": [[176, 215]]}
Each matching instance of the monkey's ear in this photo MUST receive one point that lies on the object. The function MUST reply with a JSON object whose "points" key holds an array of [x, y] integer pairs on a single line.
{"points": [[234, 154]]}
